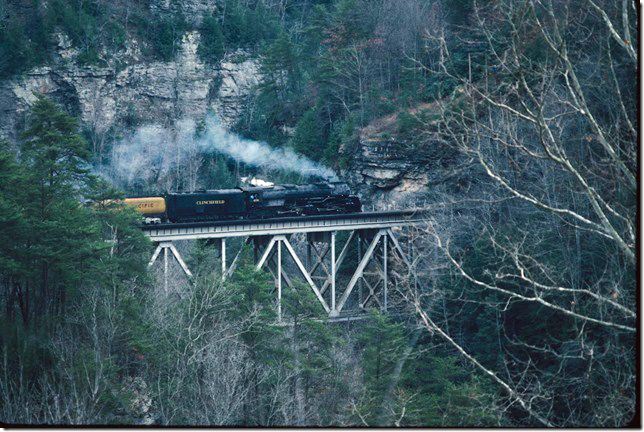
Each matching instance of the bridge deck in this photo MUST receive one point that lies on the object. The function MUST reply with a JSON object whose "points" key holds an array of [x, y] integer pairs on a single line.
{"points": [[290, 225]]}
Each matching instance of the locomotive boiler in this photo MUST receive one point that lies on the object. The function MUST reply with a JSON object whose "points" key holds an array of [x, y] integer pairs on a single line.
{"points": [[248, 203]]}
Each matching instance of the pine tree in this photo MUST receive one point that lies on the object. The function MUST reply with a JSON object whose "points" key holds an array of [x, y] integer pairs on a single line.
{"points": [[53, 155], [446, 393], [251, 293], [311, 343], [309, 136], [13, 230], [211, 45], [382, 342]]}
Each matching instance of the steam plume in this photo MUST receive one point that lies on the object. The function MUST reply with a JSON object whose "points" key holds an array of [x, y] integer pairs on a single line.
{"points": [[151, 152], [258, 153]]}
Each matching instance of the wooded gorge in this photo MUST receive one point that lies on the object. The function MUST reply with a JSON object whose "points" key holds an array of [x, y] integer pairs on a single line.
{"points": [[515, 123]]}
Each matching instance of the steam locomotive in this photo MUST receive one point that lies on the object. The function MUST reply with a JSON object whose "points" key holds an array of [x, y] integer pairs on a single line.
{"points": [[248, 203]]}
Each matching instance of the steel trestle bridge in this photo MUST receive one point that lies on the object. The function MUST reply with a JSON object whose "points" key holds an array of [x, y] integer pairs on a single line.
{"points": [[372, 233]]}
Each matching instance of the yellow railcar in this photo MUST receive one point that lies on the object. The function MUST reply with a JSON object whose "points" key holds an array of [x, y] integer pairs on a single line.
{"points": [[153, 208]]}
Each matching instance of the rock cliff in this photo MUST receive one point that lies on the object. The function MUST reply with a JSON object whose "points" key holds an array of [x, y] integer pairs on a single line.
{"points": [[130, 89], [391, 171]]}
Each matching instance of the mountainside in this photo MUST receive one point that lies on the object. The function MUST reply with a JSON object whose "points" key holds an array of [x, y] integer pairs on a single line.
{"points": [[121, 66], [131, 90], [512, 123]]}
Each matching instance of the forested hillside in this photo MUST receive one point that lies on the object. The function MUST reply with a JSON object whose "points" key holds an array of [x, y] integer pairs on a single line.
{"points": [[514, 123]]}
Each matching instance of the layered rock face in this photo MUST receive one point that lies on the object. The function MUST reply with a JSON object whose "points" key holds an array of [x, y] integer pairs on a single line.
{"points": [[389, 172], [130, 89]]}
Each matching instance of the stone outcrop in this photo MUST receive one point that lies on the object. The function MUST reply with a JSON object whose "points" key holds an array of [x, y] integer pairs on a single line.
{"points": [[390, 172], [131, 90], [237, 79]]}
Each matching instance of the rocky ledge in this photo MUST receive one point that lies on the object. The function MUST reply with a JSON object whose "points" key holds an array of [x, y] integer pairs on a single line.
{"points": [[388, 171]]}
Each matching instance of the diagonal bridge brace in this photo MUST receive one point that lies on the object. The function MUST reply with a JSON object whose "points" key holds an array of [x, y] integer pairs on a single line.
{"points": [[165, 246], [280, 240], [386, 235]]}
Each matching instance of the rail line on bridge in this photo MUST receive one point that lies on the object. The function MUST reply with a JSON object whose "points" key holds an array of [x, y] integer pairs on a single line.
{"points": [[372, 233]]}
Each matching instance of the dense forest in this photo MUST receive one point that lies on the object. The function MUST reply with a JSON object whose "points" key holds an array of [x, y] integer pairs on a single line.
{"points": [[520, 307]]}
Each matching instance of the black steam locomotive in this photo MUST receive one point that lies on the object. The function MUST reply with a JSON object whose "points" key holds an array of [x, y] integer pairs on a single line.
{"points": [[248, 203]]}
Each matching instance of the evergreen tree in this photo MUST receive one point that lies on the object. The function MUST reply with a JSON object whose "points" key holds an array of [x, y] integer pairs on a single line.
{"points": [[119, 225], [15, 51], [70, 286], [251, 293], [216, 173], [53, 156], [54, 153], [13, 232], [211, 45], [447, 394], [309, 138], [311, 343], [382, 342]]}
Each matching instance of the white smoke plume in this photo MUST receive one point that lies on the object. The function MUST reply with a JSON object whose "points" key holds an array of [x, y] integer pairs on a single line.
{"points": [[258, 153], [152, 153]]}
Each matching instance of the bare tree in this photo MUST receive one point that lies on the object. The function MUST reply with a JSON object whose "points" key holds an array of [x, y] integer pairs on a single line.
{"points": [[546, 108]]}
